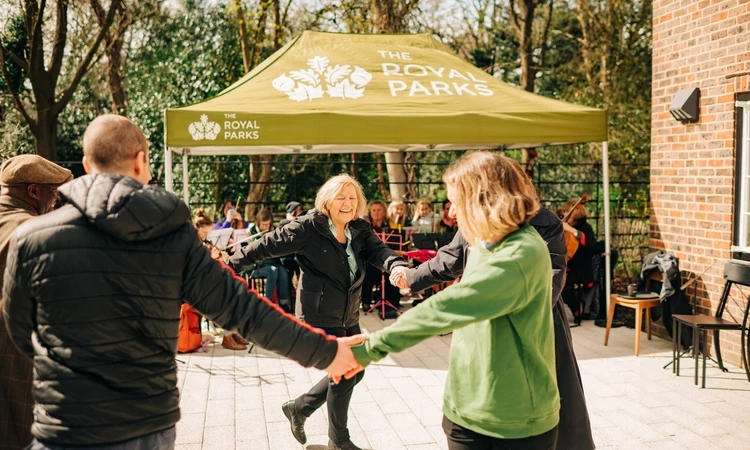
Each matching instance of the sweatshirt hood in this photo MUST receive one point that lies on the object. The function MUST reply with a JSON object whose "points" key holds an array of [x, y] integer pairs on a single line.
{"points": [[124, 208]]}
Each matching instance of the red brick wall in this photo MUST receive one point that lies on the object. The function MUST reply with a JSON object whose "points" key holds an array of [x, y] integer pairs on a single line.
{"points": [[698, 43]]}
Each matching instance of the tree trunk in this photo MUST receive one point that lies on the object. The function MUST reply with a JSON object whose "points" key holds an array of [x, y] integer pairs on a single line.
{"points": [[261, 171], [528, 72], [389, 16], [219, 170], [396, 175], [46, 136], [114, 57], [246, 58]]}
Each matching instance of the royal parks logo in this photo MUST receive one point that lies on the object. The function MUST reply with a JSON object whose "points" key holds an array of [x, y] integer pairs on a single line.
{"points": [[339, 81], [204, 129], [234, 129]]}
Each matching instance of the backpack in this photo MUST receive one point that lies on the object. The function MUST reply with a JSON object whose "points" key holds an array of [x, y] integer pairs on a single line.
{"points": [[189, 337]]}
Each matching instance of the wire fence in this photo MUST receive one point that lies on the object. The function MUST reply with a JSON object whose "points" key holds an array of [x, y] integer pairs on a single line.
{"points": [[212, 180]]}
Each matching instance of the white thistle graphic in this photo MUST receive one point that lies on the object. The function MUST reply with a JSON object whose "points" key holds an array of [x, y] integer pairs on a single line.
{"points": [[204, 129], [341, 81]]}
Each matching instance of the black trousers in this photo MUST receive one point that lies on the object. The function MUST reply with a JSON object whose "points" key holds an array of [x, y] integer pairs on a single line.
{"points": [[337, 396], [460, 438]]}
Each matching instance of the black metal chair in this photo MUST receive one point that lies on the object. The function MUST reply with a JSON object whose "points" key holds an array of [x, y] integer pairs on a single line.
{"points": [[735, 272]]}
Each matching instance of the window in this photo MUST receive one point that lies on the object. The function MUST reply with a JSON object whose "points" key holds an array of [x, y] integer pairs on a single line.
{"points": [[741, 247]]}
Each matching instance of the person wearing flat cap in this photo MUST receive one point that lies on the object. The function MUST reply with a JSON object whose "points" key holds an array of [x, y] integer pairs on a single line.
{"points": [[28, 186], [293, 209]]}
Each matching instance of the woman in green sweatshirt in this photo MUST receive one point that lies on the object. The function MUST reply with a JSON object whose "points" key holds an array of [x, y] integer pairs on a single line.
{"points": [[501, 390]]}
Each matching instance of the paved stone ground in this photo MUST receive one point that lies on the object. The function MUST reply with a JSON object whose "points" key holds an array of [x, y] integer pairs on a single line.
{"points": [[232, 400]]}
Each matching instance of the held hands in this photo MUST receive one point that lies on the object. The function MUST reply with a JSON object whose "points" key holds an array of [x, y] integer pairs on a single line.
{"points": [[398, 277], [344, 364]]}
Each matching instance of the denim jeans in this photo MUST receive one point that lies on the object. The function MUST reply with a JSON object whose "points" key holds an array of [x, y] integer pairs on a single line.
{"points": [[276, 277], [161, 440]]}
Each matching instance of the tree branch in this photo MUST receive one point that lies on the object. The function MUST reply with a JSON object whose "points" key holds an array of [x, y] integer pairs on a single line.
{"points": [[67, 93], [13, 92], [61, 37], [286, 12], [36, 50], [514, 14], [545, 34], [18, 61]]}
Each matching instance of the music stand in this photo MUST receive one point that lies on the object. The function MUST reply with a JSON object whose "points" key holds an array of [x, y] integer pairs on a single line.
{"points": [[389, 238]]}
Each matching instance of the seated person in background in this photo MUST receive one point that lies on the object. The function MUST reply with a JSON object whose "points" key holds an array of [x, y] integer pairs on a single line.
{"points": [[294, 209], [397, 215], [232, 218], [203, 224], [447, 221], [579, 291], [373, 275], [271, 269], [424, 218]]}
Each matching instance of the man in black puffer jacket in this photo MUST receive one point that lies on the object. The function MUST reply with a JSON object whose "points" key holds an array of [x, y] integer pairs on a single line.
{"points": [[93, 294]]}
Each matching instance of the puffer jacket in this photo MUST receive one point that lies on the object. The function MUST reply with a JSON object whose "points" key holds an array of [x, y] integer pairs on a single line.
{"points": [[93, 293], [328, 298]]}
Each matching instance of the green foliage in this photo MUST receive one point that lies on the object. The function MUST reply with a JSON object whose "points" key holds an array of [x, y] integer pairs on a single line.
{"points": [[15, 136]]}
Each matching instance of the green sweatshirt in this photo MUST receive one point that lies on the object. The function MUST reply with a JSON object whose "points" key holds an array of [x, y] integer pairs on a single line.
{"points": [[501, 381]]}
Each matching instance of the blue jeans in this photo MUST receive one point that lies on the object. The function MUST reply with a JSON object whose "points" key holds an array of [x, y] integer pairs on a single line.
{"points": [[276, 277], [161, 440]]}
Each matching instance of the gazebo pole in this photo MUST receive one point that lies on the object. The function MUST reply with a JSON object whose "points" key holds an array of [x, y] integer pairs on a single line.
{"points": [[168, 182], [185, 176], [607, 252]]}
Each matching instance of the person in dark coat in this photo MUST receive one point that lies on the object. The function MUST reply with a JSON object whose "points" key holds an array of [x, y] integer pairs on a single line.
{"points": [[29, 189], [333, 249], [92, 292], [579, 292], [574, 431]]}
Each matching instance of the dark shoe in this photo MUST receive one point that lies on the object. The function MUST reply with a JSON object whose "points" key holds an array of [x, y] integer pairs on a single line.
{"points": [[348, 445], [296, 421]]}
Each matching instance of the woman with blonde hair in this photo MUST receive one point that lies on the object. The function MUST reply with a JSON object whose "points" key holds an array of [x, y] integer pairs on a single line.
{"points": [[333, 248], [397, 215], [500, 314]]}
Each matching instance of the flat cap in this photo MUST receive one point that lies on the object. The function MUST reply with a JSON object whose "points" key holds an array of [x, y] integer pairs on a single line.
{"points": [[291, 206], [28, 169]]}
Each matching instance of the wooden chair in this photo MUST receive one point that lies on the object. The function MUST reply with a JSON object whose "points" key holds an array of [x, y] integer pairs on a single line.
{"points": [[639, 303], [734, 273]]}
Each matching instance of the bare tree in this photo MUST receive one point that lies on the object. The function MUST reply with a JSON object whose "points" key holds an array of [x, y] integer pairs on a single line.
{"points": [[41, 115]]}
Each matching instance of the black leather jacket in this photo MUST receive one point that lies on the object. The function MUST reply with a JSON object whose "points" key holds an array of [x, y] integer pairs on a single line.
{"points": [[93, 293], [327, 296]]}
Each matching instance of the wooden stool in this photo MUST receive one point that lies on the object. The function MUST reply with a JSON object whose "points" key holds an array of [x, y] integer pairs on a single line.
{"points": [[638, 304]]}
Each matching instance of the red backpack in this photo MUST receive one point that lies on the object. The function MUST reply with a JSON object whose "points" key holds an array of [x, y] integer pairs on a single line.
{"points": [[189, 337]]}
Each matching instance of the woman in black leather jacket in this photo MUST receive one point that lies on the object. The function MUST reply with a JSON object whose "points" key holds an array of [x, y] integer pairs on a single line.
{"points": [[332, 247]]}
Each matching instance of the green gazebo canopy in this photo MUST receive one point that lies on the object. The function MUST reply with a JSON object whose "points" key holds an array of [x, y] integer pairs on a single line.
{"points": [[331, 93]]}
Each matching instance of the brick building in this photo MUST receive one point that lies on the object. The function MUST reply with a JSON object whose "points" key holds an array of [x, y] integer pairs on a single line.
{"points": [[697, 200]]}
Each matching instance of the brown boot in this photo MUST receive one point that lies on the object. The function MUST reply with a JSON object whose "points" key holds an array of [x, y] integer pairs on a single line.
{"points": [[239, 339], [228, 342]]}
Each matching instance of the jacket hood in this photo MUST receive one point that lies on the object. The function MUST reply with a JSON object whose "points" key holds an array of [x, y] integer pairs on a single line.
{"points": [[123, 207]]}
